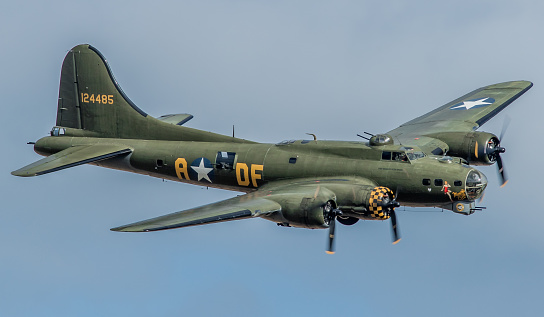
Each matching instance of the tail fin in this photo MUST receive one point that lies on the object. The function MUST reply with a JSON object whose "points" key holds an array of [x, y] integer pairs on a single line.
{"points": [[90, 99]]}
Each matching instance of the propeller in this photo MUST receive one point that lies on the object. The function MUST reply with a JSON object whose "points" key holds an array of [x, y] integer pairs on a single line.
{"points": [[331, 214], [389, 206], [495, 150], [502, 172]]}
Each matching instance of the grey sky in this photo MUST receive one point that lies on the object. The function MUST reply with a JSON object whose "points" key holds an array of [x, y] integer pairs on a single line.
{"points": [[275, 70]]}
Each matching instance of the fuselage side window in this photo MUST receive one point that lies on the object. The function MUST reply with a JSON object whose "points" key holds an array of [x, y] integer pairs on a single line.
{"points": [[386, 156], [225, 160], [58, 131]]}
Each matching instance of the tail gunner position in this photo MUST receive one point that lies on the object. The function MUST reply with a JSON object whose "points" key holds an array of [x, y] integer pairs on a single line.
{"points": [[299, 183]]}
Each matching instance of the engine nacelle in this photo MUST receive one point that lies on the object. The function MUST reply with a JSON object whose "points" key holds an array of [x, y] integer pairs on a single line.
{"points": [[374, 199], [305, 206], [307, 212], [475, 147], [368, 201]]}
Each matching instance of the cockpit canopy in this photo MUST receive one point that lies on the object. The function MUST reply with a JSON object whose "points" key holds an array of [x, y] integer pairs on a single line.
{"points": [[403, 154]]}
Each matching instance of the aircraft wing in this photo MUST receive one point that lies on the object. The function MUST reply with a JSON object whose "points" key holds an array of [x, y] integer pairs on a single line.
{"points": [[463, 114], [240, 207], [280, 196], [72, 156]]}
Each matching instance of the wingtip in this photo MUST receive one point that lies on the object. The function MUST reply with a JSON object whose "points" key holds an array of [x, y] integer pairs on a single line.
{"points": [[123, 229], [21, 173], [129, 229], [521, 84], [395, 242], [329, 252]]}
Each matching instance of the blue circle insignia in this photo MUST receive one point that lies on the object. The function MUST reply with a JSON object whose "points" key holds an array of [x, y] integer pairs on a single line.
{"points": [[201, 170], [473, 103]]}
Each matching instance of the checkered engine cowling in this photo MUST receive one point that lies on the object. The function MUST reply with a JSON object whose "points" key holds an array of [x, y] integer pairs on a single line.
{"points": [[375, 209]]}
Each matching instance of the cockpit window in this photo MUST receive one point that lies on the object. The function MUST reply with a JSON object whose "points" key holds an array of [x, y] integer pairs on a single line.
{"points": [[400, 156], [415, 155], [395, 156]]}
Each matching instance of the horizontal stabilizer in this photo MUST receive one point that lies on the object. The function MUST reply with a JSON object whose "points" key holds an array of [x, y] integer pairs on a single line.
{"points": [[177, 119], [73, 156], [240, 207]]}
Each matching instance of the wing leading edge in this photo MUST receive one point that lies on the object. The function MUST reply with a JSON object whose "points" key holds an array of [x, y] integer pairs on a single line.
{"points": [[240, 207], [279, 201]]}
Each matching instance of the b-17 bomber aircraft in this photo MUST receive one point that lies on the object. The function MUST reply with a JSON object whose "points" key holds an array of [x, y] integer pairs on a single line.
{"points": [[425, 162]]}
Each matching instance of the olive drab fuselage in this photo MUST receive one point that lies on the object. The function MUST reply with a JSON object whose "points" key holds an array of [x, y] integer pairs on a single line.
{"points": [[247, 167]]}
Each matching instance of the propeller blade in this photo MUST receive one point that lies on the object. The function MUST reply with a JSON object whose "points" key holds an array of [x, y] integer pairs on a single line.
{"points": [[502, 172], [394, 229], [505, 125], [332, 226], [499, 150]]}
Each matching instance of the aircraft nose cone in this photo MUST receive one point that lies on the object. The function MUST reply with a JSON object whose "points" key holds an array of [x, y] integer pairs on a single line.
{"points": [[476, 183], [483, 179]]}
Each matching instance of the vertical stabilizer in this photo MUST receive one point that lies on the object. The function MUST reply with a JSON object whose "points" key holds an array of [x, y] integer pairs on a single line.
{"points": [[91, 99]]}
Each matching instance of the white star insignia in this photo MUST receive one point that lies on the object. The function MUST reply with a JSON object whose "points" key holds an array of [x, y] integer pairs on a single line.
{"points": [[472, 103], [202, 171]]}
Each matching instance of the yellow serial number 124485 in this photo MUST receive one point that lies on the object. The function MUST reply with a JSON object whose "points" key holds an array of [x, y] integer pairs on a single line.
{"points": [[105, 99]]}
